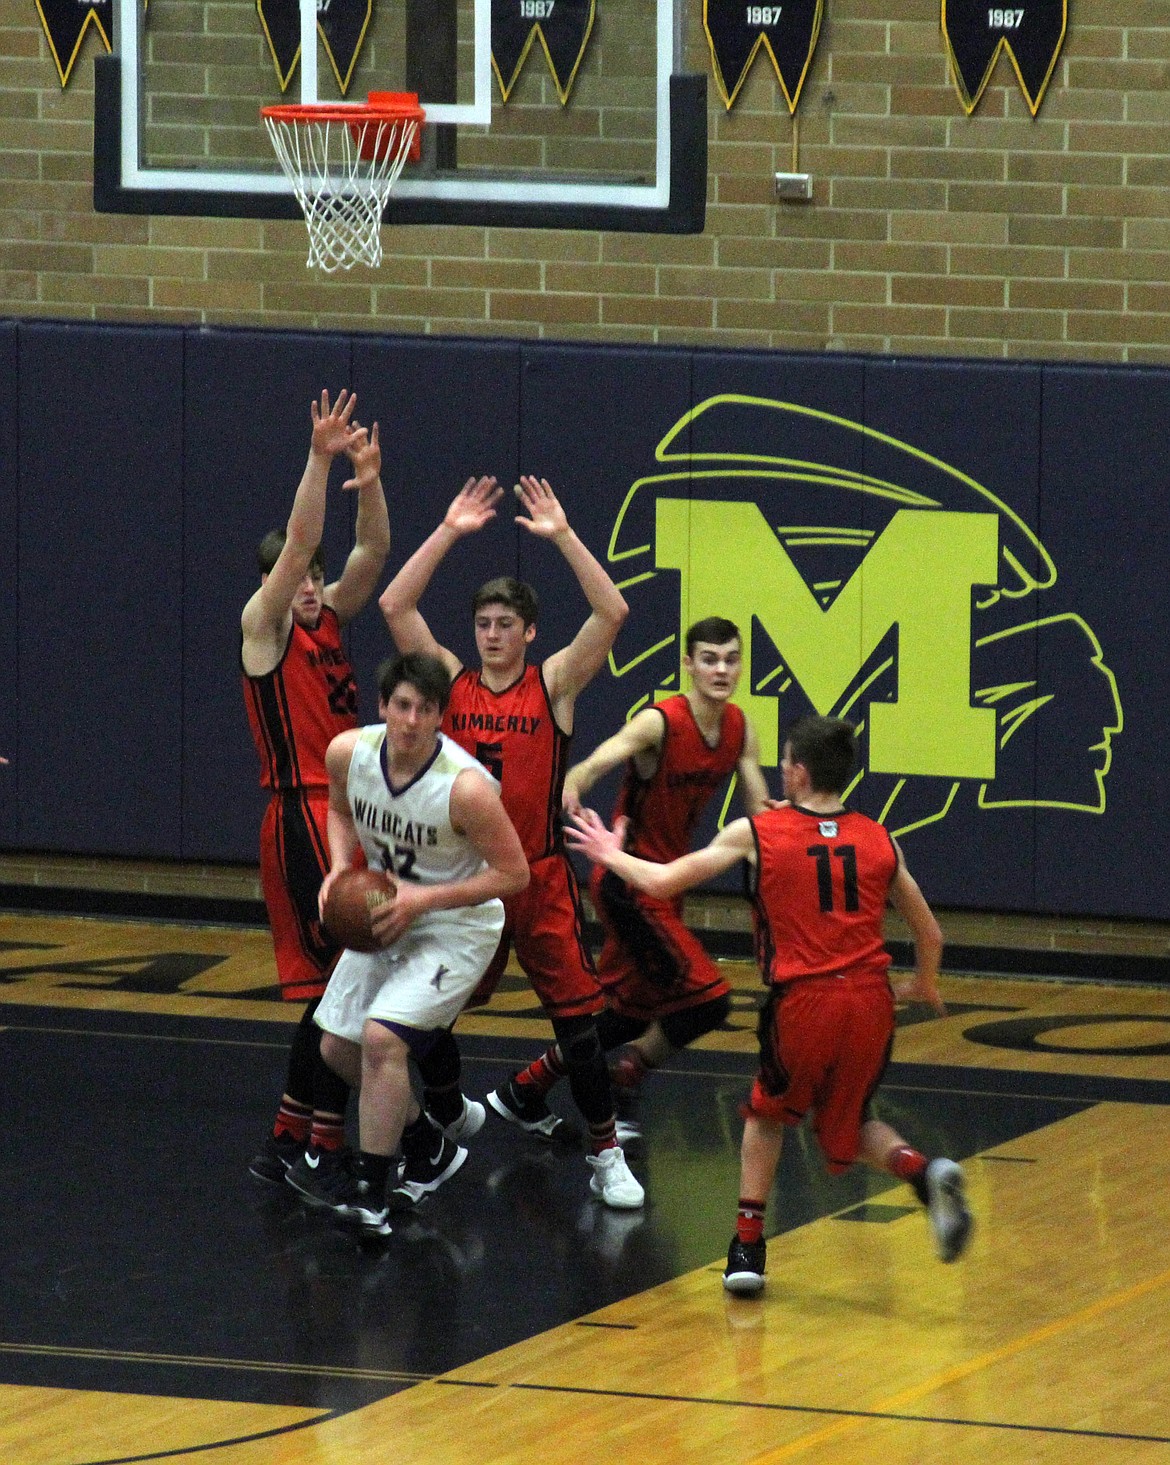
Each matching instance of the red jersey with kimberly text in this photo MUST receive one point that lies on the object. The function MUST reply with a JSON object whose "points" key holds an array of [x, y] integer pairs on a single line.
{"points": [[821, 884], [514, 736], [298, 708], [664, 808]]}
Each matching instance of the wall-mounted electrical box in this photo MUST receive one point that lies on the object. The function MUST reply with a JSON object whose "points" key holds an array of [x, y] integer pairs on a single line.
{"points": [[794, 187]]}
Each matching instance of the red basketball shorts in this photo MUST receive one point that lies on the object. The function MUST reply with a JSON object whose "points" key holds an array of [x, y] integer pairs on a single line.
{"points": [[294, 859], [650, 964], [543, 924], [831, 1039]]}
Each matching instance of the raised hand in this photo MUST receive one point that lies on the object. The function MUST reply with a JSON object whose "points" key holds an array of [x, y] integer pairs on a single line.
{"points": [[332, 433], [545, 518], [366, 456], [473, 506]]}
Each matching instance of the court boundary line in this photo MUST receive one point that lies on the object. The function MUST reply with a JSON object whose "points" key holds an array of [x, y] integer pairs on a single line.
{"points": [[185, 1360], [245, 1439], [846, 1415], [985, 1360]]}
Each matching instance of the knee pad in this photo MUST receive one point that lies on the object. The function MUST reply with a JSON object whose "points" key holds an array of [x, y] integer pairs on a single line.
{"points": [[304, 1059], [440, 1065], [585, 1067], [579, 1040], [330, 1090], [613, 1029], [685, 1026]]}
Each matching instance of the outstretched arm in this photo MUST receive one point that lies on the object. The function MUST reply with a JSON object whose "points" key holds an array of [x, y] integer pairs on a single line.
{"points": [[589, 836], [473, 506], [910, 903], [641, 736], [567, 671], [265, 617], [363, 566]]}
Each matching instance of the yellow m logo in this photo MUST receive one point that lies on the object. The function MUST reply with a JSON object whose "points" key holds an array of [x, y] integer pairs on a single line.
{"points": [[918, 575]]}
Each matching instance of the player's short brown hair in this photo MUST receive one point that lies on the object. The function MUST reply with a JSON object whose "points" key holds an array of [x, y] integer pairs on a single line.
{"points": [[268, 552], [506, 590], [425, 673], [714, 630], [827, 746]]}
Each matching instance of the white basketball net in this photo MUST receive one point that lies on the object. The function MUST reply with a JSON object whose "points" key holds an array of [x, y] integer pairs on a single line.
{"points": [[341, 191]]}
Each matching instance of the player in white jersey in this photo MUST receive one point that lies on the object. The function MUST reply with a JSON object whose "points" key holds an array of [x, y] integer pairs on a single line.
{"points": [[430, 815]]}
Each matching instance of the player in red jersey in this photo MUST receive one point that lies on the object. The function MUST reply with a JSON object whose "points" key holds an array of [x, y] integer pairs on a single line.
{"points": [[822, 878], [300, 692], [662, 989], [517, 720]]}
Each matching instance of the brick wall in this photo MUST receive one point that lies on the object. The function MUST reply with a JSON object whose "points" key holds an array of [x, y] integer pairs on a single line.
{"points": [[930, 232]]}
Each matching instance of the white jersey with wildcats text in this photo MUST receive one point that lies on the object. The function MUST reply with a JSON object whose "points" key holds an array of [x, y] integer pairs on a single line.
{"points": [[421, 982], [407, 831]]}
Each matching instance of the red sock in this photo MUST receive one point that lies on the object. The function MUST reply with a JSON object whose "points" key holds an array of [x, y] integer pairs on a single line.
{"points": [[602, 1136], [906, 1163], [749, 1223], [542, 1074], [328, 1132], [293, 1118]]}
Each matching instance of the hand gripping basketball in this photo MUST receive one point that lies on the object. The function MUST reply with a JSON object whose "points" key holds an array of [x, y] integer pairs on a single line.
{"points": [[350, 902]]}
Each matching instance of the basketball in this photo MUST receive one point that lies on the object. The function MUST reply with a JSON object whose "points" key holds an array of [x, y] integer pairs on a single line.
{"points": [[352, 897]]}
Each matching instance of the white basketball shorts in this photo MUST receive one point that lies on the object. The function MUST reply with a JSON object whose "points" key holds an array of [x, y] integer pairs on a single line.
{"points": [[422, 981]]}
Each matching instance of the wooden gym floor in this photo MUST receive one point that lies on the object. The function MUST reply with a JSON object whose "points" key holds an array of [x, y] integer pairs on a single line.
{"points": [[159, 1304]]}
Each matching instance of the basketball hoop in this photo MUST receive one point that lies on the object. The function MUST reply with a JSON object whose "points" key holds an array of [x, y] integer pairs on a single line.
{"points": [[342, 160]]}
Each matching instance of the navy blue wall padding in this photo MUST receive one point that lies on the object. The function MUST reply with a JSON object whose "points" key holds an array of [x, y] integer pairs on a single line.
{"points": [[447, 410], [10, 623], [583, 428], [985, 420], [1106, 520], [139, 467], [101, 631], [246, 434]]}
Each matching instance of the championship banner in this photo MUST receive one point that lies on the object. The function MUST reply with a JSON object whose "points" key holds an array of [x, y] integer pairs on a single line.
{"points": [[563, 28], [65, 23], [342, 26], [1031, 34], [737, 30]]}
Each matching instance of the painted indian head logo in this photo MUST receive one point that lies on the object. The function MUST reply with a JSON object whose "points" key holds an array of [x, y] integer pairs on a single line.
{"points": [[871, 581]]}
